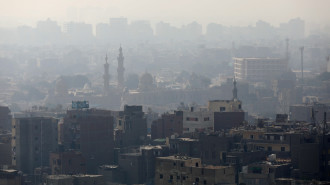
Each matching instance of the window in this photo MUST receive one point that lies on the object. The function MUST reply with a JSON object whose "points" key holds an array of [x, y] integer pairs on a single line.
{"points": [[256, 169], [251, 136], [222, 109], [213, 155], [282, 149], [207, 119], [184, 178], [276, 137], [269, 149], [181, 164], [204, 182], [196, 164], [119, 122], [171, 177], [191, 119], [178, 177], [161, 176], [174, 164], [197, 179], [239, 106]]}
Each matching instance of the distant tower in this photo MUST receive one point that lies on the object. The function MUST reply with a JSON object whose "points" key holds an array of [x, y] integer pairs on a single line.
{"points": [[302, 63], [120, 69], [106, 76], [234, 90]]}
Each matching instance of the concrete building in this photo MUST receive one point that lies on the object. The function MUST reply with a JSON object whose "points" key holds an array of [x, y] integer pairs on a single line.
{"points": [[259, 69], [310, 159], [225, 105], [214, 148], [185, 146], [226, 113], [263, 173], [304, 112], [111, 173], [10, 177], [5, 118], [91, 132], [139, 166], [131, 127], [200, 121], [5, 149], [186, 170], [33, 140], [75, 180], [228, 120], [67, 162], [167, 125]]}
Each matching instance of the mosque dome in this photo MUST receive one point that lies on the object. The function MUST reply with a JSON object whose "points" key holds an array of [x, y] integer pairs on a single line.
{"points": [[146, 82]]}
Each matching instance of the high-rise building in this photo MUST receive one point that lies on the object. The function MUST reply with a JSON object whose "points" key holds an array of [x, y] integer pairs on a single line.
{"points": [[120, 69], [91, 132], [131, 127], [33, 138], [5, 118]]}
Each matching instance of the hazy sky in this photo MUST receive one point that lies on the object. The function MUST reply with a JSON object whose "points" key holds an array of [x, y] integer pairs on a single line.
{"points": [[177, 12]]}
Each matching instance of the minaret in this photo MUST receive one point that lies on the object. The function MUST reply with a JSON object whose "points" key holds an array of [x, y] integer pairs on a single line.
{"points": [[234, 90], [106, 76], [120, 69]]}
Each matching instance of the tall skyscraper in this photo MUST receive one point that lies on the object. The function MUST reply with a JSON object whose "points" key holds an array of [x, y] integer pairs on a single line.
{"points": [[120, 69], [106, 76]]}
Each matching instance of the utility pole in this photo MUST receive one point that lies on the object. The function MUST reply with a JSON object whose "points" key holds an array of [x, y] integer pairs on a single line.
{"points": [[302, 63]]}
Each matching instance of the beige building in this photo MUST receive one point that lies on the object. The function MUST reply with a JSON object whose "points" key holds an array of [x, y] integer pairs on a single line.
{"points": [[259, 69], [225, 106], [185, 170], [198, 121]]}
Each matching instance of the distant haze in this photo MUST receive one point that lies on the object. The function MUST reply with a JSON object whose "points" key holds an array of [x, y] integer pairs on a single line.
{"points": [[177, 12]]}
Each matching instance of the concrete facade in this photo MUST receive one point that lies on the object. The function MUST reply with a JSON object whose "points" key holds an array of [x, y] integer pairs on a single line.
{"points": [[200, 121], [225, 106], [33, 140], [186, 170], [131, 127], [89, 131]]}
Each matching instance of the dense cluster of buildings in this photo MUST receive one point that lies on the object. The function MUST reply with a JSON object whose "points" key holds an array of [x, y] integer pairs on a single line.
{"points": [[213, 144], [258, 126]]}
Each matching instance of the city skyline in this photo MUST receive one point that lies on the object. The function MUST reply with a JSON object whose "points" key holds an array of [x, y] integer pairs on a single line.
{"points": [[228, 13]]}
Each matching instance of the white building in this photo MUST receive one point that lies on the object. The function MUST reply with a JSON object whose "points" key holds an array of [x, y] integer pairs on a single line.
{"points": [[259, 69]]}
